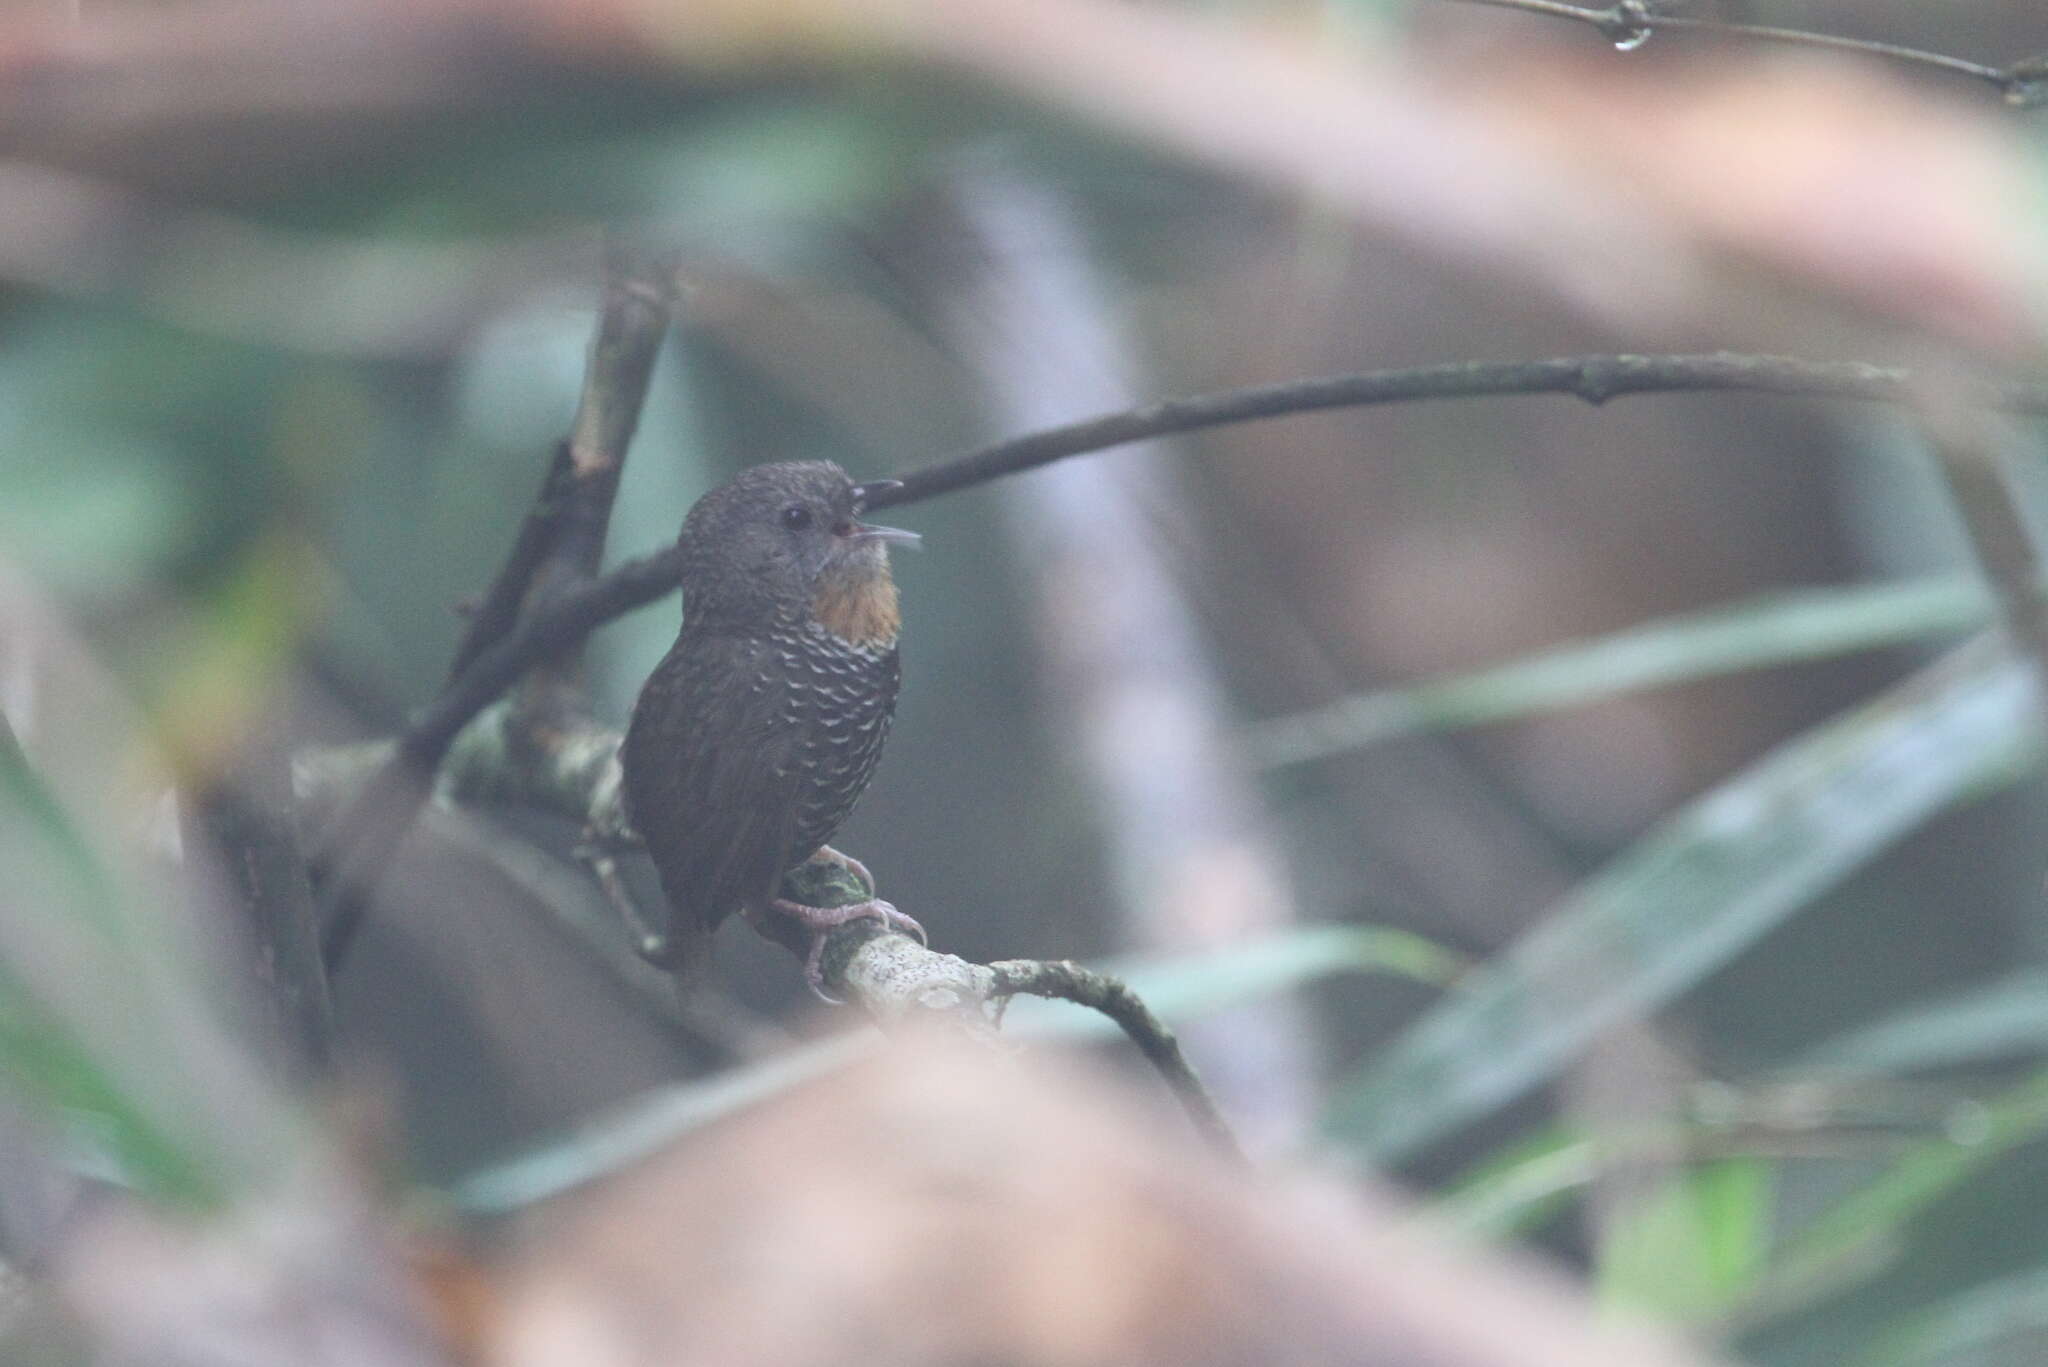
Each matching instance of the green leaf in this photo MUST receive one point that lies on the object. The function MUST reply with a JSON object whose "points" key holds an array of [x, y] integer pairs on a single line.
{"points": [[1515, 1191], [1694, 1245], [1693, 894], [60, 910], [1779, 628], [114, 1028]]}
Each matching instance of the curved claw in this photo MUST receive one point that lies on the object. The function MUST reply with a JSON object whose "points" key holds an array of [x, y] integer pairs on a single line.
{"points": [[814, 973], [897, 920]]}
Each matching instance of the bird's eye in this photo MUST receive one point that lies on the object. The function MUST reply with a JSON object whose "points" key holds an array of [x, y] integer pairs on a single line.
{"points": [[796, 517]]}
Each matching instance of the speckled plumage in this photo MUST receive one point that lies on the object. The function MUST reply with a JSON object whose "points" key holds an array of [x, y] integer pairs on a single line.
{"points": [[757, 733]]}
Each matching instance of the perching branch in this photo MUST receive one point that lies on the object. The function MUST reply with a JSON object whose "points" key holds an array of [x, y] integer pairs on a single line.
{"points": [[1629, 24], [890, 977], [894, 979], [394, 797]]}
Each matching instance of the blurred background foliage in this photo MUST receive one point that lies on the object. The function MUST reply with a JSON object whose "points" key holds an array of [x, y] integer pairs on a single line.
{"points": [[1754, 1032]]}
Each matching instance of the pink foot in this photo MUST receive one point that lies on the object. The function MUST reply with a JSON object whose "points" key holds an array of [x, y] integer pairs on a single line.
{"points": [[822, 921]]}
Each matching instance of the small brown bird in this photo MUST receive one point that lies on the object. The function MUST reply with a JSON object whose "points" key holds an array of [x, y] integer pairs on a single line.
{"points": [[756, 734]]}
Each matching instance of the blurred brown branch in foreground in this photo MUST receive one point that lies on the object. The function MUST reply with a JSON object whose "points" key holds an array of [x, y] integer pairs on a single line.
{"points": [[929, 1208], [922, 1208]]}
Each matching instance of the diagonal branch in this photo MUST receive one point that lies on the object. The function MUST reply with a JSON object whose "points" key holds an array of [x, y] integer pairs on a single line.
{"points": [[564, 532], [1973, 450], [497, 612]]}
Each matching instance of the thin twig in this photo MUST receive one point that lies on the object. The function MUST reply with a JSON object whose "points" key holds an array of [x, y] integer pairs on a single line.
{"points": [[1630, 23], [1973, 453], [395, 794], [1596, 379], [1068, 981], [552, 567], [497, 612]]}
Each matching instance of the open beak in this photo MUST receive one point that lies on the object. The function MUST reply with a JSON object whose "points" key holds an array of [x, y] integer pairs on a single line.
{"points": [[890, 536]]}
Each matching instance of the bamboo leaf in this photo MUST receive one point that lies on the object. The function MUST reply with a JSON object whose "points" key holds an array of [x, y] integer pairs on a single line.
{"points": [[644, 1126], [1776, 629], [60, 909], [111, 1027], [1693, 894]]}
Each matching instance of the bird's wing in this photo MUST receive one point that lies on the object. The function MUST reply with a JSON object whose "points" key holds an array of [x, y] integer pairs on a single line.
{"points": [[710, 776]]}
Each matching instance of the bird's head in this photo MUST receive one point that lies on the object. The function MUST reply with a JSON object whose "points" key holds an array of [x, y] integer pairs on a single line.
{"points": [[786, 534]]}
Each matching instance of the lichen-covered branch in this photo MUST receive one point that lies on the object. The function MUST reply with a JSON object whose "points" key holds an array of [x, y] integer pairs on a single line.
{"points": [[1068, 981]]}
